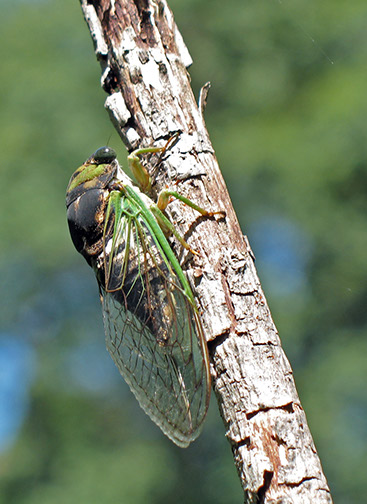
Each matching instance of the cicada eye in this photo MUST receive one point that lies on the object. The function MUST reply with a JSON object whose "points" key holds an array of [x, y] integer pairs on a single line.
{"points": [[104, 155]]}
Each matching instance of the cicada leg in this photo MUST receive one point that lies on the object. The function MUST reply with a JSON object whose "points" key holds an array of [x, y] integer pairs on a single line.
{"points": [[139, 171], [168, 228], [164, 198]]}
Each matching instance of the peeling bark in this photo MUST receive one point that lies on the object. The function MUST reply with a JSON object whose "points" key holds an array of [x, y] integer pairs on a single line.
{"points": [[144, 60]]}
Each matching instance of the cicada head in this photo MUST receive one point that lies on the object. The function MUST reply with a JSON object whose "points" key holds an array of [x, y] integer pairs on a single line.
{"points": [[95, 173], [87, 198]]}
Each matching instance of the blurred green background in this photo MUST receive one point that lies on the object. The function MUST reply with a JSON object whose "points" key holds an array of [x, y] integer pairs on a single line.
{"points": [[287, 116]]}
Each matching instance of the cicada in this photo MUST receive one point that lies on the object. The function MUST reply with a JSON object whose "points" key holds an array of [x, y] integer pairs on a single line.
{"points": [[152, 326]]}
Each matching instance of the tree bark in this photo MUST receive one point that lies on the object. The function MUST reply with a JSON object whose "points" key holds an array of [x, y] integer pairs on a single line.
{"points": [[144, 61]]}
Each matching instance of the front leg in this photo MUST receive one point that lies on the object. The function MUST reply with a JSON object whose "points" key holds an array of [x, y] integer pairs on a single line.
{"points": [[139, 171]]}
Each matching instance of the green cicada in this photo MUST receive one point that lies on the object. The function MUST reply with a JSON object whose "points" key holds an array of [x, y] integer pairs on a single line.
{"points": [[152, 327]]}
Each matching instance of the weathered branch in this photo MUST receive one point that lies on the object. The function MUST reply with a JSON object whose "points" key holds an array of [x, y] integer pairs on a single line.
{"points": [[144, 60]]}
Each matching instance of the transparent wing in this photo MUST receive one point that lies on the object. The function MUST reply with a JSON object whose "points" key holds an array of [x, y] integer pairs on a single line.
{"points": [[153, 332]]}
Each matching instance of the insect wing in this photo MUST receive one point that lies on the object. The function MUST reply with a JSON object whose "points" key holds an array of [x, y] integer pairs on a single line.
{"points": [[152, 328]]}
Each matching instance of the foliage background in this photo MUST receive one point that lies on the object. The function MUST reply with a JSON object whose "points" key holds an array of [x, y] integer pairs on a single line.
{"points": [[287, 114]]}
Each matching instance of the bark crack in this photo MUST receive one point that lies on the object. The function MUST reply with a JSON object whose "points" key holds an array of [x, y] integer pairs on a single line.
{"points": [[261, 494], [286, 407]]}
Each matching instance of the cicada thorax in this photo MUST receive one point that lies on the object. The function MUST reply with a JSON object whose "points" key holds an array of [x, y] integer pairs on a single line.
{"points": [[86, 201]]}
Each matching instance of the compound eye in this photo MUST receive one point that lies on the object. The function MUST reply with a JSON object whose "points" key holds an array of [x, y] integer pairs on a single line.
{"points": [[104, 155]]}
